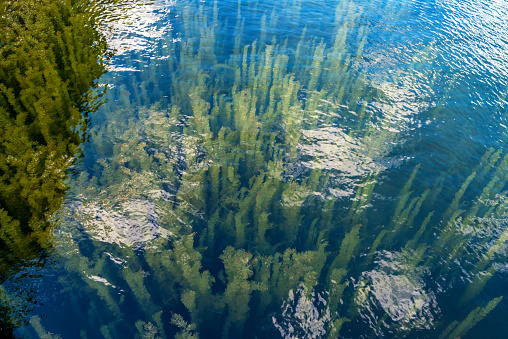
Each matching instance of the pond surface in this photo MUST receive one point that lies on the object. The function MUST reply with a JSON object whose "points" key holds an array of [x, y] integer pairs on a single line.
{"points": [[288, 169]]}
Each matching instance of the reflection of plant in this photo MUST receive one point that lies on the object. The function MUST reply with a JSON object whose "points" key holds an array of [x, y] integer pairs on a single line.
{"points": [[221, 159], [46, 96], [51, 56]]}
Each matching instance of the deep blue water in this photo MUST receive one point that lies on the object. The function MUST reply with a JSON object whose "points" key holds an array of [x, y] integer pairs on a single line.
{"points": [[416, 84]]}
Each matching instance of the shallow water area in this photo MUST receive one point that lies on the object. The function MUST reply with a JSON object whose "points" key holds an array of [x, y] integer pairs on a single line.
{"points": [[288, 169]]}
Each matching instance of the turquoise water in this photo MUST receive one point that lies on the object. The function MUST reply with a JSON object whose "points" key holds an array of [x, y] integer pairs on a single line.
{"points": [[289, 169]]}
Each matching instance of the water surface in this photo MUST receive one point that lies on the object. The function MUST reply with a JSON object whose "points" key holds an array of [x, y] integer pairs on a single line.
{"points": [[289, 169]]}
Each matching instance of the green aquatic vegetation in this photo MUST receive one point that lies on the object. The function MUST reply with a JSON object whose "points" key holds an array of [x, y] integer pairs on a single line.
{"points": [[404, 194], [220, 163], [482, 271], [457, 330], [106, 332], [477, 284], [455, 203], [400, 214], [35, 322], [361, 201], [412, 243], [135, 280], [239, 288], [407, 216], [349, 243], [51, 57], [462, 227], [186, 329], [336, 285], [147, 330]]}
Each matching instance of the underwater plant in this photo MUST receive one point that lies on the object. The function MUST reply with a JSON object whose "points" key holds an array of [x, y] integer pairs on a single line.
{"points": [[203, 210]]}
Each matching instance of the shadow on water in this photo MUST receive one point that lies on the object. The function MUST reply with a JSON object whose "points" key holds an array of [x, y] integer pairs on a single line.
{"points": [[51, 56]]}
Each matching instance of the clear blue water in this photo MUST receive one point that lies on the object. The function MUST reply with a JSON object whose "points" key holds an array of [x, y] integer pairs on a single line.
{"points": [[396, 118]]}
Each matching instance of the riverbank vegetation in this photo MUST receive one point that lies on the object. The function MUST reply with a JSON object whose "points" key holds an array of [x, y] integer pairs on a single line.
{"points": [[51, 56]]}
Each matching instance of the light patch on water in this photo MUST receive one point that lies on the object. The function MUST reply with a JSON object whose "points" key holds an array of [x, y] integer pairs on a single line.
{"points": [[99, 279], [484, 31], [501, 267], [116, 260], [330, 148], [129, 223], [403, 298], [304, 315], [135, 25], [398, 288]]}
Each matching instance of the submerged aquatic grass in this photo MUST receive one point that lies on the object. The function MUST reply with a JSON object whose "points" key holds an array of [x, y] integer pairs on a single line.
{"points": [[206, 210]]}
